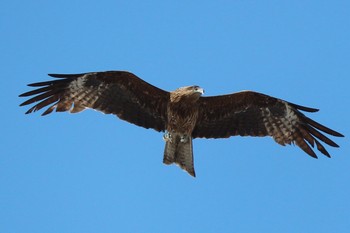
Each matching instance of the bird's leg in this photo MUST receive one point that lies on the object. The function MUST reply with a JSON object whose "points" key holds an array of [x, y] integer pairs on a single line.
{"points": [[184, 138], [167, 137]]}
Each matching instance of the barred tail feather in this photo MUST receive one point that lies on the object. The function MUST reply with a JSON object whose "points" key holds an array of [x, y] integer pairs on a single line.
{"points": [[180, 153]]}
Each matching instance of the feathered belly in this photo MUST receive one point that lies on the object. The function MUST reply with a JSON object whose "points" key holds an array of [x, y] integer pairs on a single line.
{"points": [[182, 122]]}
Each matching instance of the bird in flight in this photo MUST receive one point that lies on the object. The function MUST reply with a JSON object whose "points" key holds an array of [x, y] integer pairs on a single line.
{"points": [[183, 114]]}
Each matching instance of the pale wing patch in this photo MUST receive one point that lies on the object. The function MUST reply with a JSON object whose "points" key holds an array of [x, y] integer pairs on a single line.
{"points": [[77, 84], [81, 96], [281, 127]]}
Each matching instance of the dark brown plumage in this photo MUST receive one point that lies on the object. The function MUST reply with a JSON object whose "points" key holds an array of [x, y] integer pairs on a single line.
{"points": [[182, 114]]}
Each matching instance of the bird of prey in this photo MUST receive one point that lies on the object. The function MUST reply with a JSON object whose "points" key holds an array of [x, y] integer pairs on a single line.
{"points": [[183, 114]]}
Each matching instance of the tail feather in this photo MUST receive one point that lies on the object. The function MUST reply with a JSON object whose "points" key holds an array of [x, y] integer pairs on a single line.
{"points": [[180, 153]]}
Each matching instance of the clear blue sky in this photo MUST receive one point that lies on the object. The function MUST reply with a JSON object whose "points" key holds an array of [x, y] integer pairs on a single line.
{"points": [[91, 172]]}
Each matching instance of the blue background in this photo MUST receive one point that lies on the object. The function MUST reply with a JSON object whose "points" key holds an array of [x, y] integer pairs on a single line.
{"points": [[91, 172]]}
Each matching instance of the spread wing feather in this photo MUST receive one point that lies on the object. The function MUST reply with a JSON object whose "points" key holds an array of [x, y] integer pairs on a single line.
{"points": [[250, 113], [112, 92]]}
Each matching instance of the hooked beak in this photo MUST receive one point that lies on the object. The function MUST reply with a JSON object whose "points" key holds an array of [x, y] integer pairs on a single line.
{"points": [[200, 90]]}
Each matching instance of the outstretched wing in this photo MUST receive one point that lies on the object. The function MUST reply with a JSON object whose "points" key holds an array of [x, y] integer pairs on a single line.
{"points": [[112, 92], [249, 113]]}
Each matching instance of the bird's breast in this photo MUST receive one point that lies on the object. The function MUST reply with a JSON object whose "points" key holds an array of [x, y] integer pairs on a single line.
{"points": [[182, 118]]}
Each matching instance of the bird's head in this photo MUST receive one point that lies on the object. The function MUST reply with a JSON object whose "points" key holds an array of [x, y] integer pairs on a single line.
{"points": [[197, 89], [189, 92]]}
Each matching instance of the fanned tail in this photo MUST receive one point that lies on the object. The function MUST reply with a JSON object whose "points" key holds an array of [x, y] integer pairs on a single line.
{"points": [[179, 152]]}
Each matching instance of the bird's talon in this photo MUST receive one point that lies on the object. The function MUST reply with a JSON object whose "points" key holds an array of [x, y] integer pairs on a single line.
{"points": [[167, 137]]}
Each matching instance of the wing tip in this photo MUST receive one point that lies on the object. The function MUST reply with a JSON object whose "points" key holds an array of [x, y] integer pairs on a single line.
{"points": [[66, 75], [57, 75], [304, 108], [337, 134], [312, 154]]}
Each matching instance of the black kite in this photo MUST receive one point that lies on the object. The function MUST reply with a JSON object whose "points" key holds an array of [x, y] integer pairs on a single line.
{"points": [[182, 114]]}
